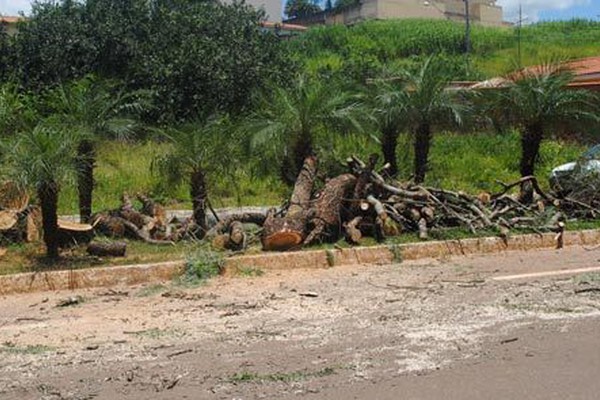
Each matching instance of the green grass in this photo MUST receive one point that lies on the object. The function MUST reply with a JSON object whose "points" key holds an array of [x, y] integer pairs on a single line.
{"points": [[250, 271], [29, 257], [157, 333], [152, 290], [367, 49], [10, 348], [245, 377], [126, 168]]}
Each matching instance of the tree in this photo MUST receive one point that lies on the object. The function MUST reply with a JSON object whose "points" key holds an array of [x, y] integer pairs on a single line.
{"points": [[536, 100], [17, 110], [390, 113], [54, 45], [199, 150], [195, 57], [291, 118], [40, 159], [342, 4], [90, 112], [419, 101], [301, 8], [206, 58], [4, 52]]}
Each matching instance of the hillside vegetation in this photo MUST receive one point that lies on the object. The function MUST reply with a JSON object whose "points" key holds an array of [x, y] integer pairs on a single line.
{"points": [[365, 50]]}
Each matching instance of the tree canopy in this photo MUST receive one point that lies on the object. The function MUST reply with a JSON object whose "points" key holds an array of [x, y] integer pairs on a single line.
{"points": [[195, 57]]}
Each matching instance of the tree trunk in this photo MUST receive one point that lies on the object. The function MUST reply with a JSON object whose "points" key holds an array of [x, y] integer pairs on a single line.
{"points": [[86, 162], [48, 196], [531, 139], [292, 164], [284, 233], [422, 144], [327, 222], [389, 143], [199, 194]]}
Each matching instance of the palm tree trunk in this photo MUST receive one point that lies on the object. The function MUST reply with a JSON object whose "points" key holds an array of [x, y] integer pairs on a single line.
{"points": [[48, 196], [86, 161], [292, 164], [389, 143], [422, 145], [199, 194], [531, 139]]}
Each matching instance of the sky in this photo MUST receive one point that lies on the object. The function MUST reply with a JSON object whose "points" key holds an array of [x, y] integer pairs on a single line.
{"points": [[533, 10]]}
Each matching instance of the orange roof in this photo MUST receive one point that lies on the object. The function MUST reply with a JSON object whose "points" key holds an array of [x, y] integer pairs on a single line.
{"points": [[585, 66], [11, 20]]}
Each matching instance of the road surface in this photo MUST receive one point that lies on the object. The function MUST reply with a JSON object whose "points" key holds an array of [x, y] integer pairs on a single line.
{"points": [[517, 325]]}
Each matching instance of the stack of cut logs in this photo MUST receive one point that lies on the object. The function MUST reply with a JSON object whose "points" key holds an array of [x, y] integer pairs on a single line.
{"points": [[353, 205]]}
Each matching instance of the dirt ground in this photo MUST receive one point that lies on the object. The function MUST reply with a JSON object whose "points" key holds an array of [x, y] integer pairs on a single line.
{"points": [[417, 330]]}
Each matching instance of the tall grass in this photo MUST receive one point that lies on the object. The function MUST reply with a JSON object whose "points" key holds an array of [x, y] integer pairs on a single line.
{"points": [[127, 168], [469, 162], [364, 50]]}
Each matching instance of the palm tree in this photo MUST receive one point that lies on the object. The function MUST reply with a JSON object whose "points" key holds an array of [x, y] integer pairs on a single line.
{"points": [[291, 118], [418, 101], [389, 112], [199, 150], [89, 110], [41, 159], [537, 99]]}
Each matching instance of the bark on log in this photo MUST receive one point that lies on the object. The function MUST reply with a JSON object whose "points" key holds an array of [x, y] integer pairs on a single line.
{"points": [[115, 249], [237, 236], [285, 233], [20, 226], [327, 220], [353, 233]]}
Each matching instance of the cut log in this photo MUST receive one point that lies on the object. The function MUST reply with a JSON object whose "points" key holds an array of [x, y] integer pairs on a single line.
{"points": [[423, 234], [73, 234], [152, 209], [288, 232], [353, 233], [327, 220], [281, 234], [257, 218], [12, 197], [115, 249], [237, 236], [33, 225], [8, 219], [20, 226]]}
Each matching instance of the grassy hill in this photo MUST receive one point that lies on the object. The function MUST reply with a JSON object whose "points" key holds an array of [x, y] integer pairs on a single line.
{"points": [[372, 47]]}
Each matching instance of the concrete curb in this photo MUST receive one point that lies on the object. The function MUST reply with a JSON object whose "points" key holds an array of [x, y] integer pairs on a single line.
{"points": [[158, 272]]}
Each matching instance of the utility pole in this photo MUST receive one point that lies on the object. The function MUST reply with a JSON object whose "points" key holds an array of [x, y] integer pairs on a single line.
{"points": [[467, 43], [519, 35], [467, 28]]}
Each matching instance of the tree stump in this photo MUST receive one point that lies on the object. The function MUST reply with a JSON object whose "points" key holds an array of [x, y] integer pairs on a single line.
{"points": [[74, 234]]}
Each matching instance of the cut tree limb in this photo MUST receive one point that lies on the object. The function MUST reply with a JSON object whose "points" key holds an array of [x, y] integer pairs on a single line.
{"points": [[289, 231], [327, 220], [115, 249]]}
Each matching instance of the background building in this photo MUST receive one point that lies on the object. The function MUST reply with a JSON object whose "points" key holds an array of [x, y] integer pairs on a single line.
{"points": [[10, 23], [484, 12]]}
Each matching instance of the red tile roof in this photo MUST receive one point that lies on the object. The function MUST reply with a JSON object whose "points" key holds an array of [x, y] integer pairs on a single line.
{"points": [[10, 20], [585, 66]]}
